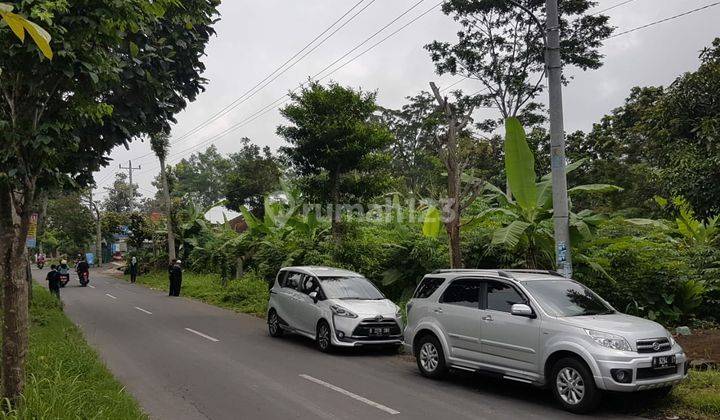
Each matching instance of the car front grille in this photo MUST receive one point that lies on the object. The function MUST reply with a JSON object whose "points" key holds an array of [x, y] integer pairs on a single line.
{"points": [[363, 330], [651, 373], [653, 345]]}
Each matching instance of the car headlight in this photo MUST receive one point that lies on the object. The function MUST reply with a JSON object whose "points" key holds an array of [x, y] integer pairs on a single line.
{"points": [[608, 340], [671, 339], [340, 311]]}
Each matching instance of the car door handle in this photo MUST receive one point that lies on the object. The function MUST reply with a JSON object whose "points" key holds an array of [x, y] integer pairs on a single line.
{"points": [[487, 318], [438, 310]]}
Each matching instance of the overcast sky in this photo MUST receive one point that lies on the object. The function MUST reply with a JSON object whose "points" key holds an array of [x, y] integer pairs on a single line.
{"points": [[255, 37]]}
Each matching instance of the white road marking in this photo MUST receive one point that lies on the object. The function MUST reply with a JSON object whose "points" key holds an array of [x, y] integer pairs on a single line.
{"points": [[350, 394], [91, 286], [143, 310], [110, 296], [203, 335]]}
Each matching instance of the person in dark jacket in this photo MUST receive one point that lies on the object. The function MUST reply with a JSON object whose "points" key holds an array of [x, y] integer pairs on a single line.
{"points": [[175, 278], [133, 269], [53, 279]]}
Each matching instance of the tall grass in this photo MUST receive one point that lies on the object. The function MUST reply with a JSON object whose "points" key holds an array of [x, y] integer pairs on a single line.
{"points": [[66, 378], [247, 295]]}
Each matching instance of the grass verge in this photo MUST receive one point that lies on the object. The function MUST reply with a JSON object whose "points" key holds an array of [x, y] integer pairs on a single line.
{"points": [[247, 295], [697, 398], [65, 377]]}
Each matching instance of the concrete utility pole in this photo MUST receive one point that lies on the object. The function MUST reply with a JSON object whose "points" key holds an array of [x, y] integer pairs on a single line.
{"points": [[130, 170], [557, 141]]}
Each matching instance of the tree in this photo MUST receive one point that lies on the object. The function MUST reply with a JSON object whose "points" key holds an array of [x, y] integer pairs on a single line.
{"points": [[254, 173], [71, 221], [336, 145], [114, 76], [501, 45], [451, 134], [201, 177], [160, 143], [121, 195]]}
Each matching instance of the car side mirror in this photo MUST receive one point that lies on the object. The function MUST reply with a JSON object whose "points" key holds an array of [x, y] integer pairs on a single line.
{"points": [[521, 309], [313, 296]]}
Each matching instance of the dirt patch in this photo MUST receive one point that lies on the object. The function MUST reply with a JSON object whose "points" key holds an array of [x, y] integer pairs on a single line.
{"points": [[702, 344]]}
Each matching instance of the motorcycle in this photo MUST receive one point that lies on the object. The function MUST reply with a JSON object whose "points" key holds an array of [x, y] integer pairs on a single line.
{"points": [[84, 278], [64, 279], [40, 264]]}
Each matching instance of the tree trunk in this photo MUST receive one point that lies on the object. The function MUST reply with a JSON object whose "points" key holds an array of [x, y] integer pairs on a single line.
{"points": [[452, 210], [239, 268], [335, 216], [168, 209], [98, 239], [14, 227], [41, 220]]}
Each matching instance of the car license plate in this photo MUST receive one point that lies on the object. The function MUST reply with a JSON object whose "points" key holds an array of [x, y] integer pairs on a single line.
{"points": [[379, 331], [663, 362]]}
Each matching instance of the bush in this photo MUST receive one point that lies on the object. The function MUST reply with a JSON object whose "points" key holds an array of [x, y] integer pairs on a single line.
{"points": [[651, 275]]}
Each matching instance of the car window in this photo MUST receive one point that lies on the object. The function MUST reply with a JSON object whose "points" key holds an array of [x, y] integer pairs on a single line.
{"points": [[309, 284], [292, 280], [281, 278], [501, 296], [465, 292], [427, 287], [358, 288], [561, 297]]}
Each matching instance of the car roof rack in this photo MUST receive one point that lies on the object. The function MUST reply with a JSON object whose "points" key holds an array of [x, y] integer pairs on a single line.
{"points": [[459, 270], [510, 271]]}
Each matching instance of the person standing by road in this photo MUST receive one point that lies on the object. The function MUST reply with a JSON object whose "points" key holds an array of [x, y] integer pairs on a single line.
{"points": [[175, 278], [53, 279], [133, 269]]}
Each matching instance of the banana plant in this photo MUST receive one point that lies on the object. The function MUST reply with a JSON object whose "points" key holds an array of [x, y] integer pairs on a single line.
{"points": [[527, 214]]}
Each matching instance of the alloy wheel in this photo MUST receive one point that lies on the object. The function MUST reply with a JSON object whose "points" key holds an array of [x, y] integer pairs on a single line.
{"points": [[429, 357], [273, 323], [570, 385], [323, 337]]}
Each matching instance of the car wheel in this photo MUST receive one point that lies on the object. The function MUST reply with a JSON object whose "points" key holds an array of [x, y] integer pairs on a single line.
{"points": [[574, 386], [274, 324], [323, 338], [430, 357]]}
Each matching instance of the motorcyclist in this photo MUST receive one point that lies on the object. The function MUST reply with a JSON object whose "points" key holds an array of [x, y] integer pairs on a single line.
{"points": [[40, 260], [82, 268], [63, 272]]}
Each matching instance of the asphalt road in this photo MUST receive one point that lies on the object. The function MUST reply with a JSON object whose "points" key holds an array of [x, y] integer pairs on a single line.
{"points": [[183, 359]]}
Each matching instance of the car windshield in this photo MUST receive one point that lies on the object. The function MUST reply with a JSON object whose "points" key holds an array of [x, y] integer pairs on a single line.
{"points": [[567, 298], [350, 288]]}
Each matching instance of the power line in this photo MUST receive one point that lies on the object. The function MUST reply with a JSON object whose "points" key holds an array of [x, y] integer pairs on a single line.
{"points": [[272, 105], [707, 6], [612, 7], [279, 71]]}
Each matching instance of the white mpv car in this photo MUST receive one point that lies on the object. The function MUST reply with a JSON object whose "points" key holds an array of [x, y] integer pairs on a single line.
{"points": [[334, 307]]}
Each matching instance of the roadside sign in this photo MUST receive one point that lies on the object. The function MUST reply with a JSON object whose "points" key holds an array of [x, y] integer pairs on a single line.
{"points": [[31, 241]]}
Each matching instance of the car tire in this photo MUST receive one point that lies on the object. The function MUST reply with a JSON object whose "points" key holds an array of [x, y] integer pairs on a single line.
{"points": [[573, 386], [323, 337], [430, 357], [274, 327]]}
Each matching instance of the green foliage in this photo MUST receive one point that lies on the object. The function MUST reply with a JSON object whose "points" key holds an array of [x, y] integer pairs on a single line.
{"points": [[66, 378], [254, 174], [502, 46], [69, 225], [335, 145], [201, 177]]}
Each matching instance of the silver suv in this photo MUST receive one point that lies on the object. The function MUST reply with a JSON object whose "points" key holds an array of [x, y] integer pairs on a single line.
{"points": [[539, 328], [334, 307]]}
